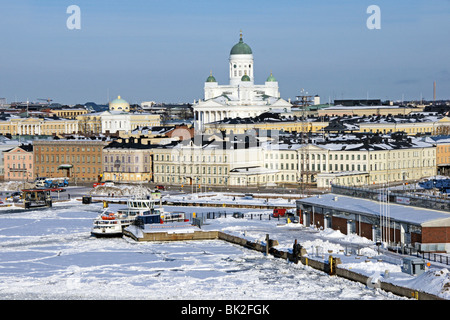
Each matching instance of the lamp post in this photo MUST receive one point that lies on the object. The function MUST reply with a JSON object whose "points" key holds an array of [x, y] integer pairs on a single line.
{"points": [[117, 165]]}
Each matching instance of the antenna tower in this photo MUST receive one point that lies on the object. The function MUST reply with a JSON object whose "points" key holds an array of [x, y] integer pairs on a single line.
{"points": [[303, 101]]}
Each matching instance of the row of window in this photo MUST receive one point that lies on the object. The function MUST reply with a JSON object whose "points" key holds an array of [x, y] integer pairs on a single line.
{"points": [[189, 158], [68, 149], [313, 156], [19, 157], [122, 159], [352, 167], [189, 169], [373, 178], [68, 158], [128, 169], [19, 166], [78, 169]]}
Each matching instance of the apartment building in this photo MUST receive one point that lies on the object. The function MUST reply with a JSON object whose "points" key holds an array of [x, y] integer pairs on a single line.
{"points": [[210, 162], [360, 159], [78, 159], [340, 110], [68, 113], [18, 163], [266, 121], [421, 125], [128, 160], [351, 159]]}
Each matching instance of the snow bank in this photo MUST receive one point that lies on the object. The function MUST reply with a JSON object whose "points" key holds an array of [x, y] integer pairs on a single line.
{"points": [[121, 190], [435, 281], [15, 185]]}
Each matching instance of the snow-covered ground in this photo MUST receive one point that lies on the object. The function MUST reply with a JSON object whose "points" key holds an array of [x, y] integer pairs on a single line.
{"points": [[50, 254]]}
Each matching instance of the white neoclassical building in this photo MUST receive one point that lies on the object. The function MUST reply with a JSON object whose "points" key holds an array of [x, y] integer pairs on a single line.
{"points": [[118, 118], [241, 97]]}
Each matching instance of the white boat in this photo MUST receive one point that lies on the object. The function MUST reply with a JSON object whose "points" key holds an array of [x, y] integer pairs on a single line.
{"points": [[112, 223], [139, 207], [107, 225]]}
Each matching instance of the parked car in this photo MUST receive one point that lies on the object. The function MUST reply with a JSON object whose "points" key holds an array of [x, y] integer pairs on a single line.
{"points": [[40, 182], [107, 183], [14, 197], [160, 187]]}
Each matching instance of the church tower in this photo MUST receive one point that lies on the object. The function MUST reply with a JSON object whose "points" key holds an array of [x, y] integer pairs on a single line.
{"points": [[241, 62]]}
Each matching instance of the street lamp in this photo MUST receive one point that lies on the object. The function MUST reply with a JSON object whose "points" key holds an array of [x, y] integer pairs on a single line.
{"points": [[117, 165]]}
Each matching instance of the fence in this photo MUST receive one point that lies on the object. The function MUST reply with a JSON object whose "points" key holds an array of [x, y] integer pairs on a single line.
{"points": [[431, 256], [251, 215], [394, 197]]}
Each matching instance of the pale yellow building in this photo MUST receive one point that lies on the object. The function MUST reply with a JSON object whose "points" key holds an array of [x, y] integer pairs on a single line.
{"points": [[367, 110], [128, 160], [286, 125], [38, 126], [210, 163], [432, 127], [68, 113], [351, 164]]}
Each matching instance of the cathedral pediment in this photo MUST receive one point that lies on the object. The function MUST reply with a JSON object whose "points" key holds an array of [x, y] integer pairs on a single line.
{"points": [[281, 103], [209, 103]]}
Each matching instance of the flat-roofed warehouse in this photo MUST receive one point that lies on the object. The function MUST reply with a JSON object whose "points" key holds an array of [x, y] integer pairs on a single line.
{"points": [[426, 229]]}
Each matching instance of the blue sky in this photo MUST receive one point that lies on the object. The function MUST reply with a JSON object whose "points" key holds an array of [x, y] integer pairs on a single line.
{"points": [[164, 50]]}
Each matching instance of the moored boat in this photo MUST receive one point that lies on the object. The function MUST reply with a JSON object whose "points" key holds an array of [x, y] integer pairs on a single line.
{"points": [[107, 225], [112, 223]]}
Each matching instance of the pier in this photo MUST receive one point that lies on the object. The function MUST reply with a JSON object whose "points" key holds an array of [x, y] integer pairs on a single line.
{"points": [[329, 265]]}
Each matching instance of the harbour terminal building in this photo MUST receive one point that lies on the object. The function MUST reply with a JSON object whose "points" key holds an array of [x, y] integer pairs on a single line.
{"points": [[368, 214]]}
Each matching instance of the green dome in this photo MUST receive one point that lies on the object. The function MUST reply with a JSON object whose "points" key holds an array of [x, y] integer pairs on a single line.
{"points": [[245, 78], [271, 78], [241, 48], [211, 78]]}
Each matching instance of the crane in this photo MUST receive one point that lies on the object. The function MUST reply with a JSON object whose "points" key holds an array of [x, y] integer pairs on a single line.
{"points": [[48, 100]]}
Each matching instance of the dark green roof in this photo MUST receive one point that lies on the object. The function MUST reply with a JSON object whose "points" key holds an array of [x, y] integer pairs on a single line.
{"points": [[211, 79], [271, 78], [241, 48], [245, 78]]}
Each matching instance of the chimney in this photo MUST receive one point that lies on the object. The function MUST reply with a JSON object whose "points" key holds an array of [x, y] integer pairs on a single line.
{"points": [[434, 91]]}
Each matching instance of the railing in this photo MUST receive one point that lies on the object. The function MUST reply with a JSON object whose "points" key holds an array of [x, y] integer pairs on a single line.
{"points": [[431, 256], [435, 257], [414, 200]]}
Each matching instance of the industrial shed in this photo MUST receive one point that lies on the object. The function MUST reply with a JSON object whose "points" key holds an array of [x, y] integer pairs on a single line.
{"points": [[427, 230]]}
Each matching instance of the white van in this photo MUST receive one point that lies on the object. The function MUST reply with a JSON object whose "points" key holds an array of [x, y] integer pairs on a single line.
{"points": [[40, 182]]}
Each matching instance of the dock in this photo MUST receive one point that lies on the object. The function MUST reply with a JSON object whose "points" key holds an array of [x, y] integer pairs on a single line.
{"points": [[330, 266], [169, 232]]}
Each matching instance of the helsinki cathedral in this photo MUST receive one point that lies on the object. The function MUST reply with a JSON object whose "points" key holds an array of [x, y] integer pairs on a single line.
{"points": [[241, 97]]}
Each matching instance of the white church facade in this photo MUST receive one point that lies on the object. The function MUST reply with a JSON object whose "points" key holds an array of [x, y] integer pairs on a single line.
{"points": [[241, 98]]}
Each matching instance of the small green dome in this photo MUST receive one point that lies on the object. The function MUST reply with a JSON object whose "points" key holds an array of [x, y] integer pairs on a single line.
{"points": [[245, 78], [211, 78], [271, 78], [241, 48]]}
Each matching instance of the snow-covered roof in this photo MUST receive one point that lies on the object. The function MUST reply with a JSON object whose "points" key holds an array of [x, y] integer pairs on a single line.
{"points": [[402, 213]]}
